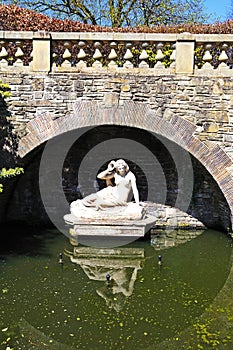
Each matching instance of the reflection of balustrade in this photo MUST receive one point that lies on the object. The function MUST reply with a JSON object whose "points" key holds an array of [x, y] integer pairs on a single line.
{"points": [[182, 53]]}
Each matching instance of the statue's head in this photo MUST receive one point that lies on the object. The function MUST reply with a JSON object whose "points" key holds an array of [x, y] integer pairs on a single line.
{"points": [[121, 167]]}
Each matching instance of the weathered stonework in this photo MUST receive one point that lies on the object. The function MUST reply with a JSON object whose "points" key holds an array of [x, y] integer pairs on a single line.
{"points": [[181, 96], [193, 111]]}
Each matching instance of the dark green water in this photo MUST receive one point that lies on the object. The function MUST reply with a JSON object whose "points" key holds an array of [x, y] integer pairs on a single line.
{"points": [[47, 305]]}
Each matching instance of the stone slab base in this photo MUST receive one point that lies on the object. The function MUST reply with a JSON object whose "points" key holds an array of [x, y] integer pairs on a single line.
{"points": [[135, 228]]}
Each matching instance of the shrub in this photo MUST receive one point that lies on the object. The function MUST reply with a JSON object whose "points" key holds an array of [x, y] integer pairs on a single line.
{"points": [[22, 19]]}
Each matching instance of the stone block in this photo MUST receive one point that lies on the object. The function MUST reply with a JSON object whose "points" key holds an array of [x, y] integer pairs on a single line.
{"points": [[172, 222], [38, 84], [170, 212], [38, 95], [111, 99], [228, 138], [41, 52], [125, 88], [211, 127], [184, 57], [218, 87]]}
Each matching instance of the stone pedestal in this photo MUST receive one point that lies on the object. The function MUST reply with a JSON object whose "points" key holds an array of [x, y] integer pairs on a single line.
{"points": [[41, 52], [185, 53], [112, 228]]}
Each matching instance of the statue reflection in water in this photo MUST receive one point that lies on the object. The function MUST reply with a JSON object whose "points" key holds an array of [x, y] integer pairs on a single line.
{"points": [[121, 264]]}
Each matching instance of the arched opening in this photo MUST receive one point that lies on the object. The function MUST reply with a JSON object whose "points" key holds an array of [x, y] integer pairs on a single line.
{"points": [[160, 166]]}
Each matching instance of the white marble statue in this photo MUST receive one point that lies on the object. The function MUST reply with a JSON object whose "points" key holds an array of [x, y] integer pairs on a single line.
{"points": [[113, 198]]}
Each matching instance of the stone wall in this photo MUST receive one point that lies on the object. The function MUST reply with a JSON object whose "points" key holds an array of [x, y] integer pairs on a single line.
{"points": [[205, 102]]}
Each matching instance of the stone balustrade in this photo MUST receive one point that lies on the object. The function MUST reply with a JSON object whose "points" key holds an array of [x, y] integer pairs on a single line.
{"points": [[158, 54]]}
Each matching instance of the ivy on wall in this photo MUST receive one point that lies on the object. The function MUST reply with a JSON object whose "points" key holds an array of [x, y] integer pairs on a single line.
{"points": [[6, 173]]}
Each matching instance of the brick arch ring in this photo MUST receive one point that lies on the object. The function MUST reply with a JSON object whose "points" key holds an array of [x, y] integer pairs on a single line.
{"points": [[137, 115]]}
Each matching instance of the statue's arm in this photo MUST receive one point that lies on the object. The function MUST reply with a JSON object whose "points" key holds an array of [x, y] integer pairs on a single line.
{"points": [[134, 188], [108, 173]]}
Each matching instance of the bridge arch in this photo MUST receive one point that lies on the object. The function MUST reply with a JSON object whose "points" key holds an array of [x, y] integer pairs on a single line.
{"points": [[137, 115]]}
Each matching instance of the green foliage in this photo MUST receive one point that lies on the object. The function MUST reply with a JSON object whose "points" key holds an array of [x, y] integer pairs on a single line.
{"points": [[199, 52], [207, 331], [7, 173], [207, 337], [10, 172], [152, 52], [4, 90]]}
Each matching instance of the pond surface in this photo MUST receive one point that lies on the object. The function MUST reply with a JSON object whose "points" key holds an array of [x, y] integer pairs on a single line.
{"points": [[48, 305]]}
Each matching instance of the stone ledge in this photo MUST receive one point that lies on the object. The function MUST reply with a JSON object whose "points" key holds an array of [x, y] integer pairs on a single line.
{"points": [[90, 227]]}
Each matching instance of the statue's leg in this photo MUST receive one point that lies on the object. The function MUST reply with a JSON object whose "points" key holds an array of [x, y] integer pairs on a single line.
{"points": [[90, 201]]}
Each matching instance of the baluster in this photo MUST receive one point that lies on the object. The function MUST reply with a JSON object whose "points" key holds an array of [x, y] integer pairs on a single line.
{"points": [[207, 58], [57, 48], [3, 54], [113, 55], [54, 58], [128, 56], [31, 62], [223, 58], [173, 56], [143, 57], [66, 56], [97, 55], [159, 57], [19, 54], [81, 55]]}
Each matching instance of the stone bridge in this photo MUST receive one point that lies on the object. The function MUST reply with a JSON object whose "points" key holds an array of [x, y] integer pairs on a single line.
{"points": [[164, 102]]}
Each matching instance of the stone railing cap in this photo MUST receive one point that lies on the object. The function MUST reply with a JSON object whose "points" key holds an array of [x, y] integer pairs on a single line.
{"points": [[112, 36], [185, 36], [41, 34]]}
